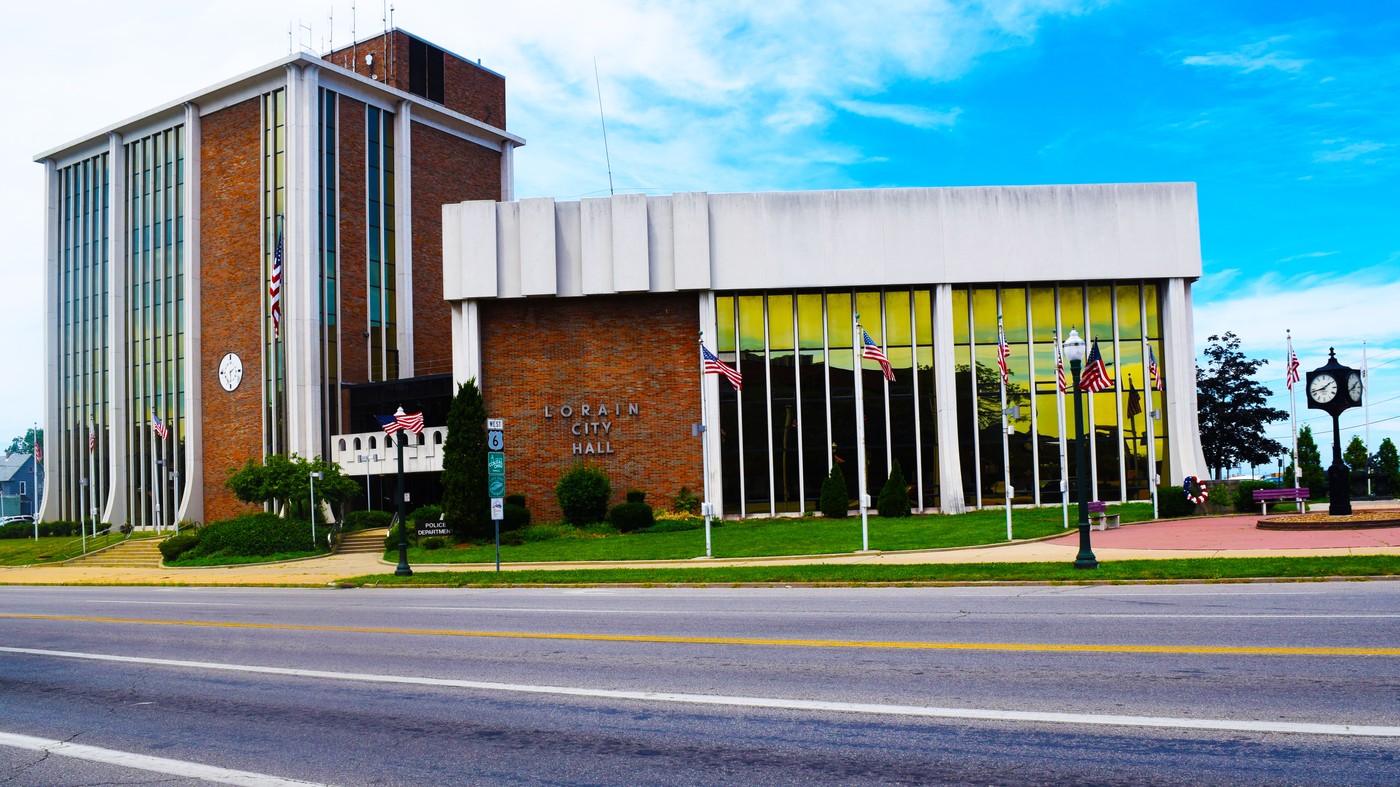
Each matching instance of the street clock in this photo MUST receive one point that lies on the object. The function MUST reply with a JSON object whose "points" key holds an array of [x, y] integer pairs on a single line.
{"points": [[1334, 389]]}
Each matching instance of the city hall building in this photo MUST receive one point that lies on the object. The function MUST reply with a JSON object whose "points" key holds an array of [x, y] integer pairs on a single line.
{"points": [[582, 321], [254, 269]]}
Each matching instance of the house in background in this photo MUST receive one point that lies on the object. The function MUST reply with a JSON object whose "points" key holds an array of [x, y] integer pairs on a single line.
{"points": [[17, 485]]}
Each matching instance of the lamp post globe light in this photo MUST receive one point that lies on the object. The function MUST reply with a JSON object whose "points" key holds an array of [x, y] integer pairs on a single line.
{"points": [[1073, 348]]}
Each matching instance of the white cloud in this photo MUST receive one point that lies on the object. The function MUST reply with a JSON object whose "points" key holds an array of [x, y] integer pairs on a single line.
{"points": [[1346, 152], [1308, 256], [1250, 58], [906, 114]]}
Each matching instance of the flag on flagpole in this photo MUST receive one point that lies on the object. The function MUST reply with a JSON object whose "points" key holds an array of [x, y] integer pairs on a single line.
{"points": [[160, 427], [38, 449], [1003, 351], [713, 365], [1159, 380], [1293, 375], [1134, 407], [92, 438], [869, 349], [274, 290], [1095, 377], [1060, 381], [410, 422]]}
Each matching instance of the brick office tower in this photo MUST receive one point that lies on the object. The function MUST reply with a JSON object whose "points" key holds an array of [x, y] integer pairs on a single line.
{"points": [[173, 356]]}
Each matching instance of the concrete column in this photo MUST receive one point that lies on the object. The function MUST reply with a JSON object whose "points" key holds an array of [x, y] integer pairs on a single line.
{"points": [[49, 508], [403, 234], [191, 504], [945, 388], [301, 280], [1184, 454], [710, 331], [120, 475], [466, 343], [507, 171]]}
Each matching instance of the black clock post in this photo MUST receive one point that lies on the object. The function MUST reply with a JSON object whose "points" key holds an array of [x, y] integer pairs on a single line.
{"points": [[1335, 388]]}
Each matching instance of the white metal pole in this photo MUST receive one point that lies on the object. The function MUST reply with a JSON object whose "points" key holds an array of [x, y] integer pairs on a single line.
{"points": [[1060, 415], [858, 341], [704, 453], [1293, 418], [1366, 405], [1005, 439], [92, 474]]}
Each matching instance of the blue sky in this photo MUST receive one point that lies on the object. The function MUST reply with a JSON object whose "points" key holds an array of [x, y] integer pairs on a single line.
{"points": [[1282, 113]]}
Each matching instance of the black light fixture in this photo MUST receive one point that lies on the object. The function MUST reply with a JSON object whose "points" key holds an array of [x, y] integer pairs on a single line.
{"points": [[1073, 348]]}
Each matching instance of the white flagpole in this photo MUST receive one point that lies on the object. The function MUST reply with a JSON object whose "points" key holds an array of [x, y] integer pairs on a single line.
{"points": [[1152, 441], [165, 469], [1366, 403], [859, 340], [1005, 439], [1060, 414], [92, 478], [704, 451], [155, 474]]}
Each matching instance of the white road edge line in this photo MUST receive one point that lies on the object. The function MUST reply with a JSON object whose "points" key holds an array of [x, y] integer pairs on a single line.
{"points": [[981, 714], [125, 759]]}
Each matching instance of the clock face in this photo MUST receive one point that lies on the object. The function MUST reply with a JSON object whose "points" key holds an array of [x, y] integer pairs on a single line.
{"points": [[230, 371], [1354, 387], [1323, 388]]}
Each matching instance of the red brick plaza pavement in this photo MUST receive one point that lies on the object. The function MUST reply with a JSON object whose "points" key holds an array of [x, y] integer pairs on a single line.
{"points": [[1233, 533]]}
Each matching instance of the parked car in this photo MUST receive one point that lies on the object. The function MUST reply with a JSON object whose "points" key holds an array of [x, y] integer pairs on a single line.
{"points": [[25, 518]]}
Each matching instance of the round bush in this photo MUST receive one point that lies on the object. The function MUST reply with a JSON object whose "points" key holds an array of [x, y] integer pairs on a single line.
{"points": [[636, 496], [434, 542], [175, 546], [894, 497], [833, 500], [423, 514], [583, 493], [256, 535], [631, 516], [366, 520], [391, 541], [516, 515]]}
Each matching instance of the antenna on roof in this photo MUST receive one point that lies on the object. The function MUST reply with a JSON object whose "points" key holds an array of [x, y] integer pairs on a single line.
{"points": [[290, 47], [606, 156], [354, 42], [330, 38]]}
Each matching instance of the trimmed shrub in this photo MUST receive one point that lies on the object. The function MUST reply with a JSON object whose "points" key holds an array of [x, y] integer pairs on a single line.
{"points": [[391, 541], [583, 493], [512, 538], [1222, 495], [1172, 503], [516, 515], [366, 520], [686, 501], [256, 535], [175, 546], [515, 500], [636, 496], [1244, 502], [679, 525], [423, 514], [434, 542], [632, 515], [833, 501], [894, 496]]}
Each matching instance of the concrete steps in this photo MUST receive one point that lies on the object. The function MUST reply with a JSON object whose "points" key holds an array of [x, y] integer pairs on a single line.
{"points": [[363, 542], [133, 553]]}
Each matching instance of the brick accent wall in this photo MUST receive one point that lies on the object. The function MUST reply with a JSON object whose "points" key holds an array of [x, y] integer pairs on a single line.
{"points": [[354, 286], [467, 87], [610, 352], [231, 297], [445, 170]]}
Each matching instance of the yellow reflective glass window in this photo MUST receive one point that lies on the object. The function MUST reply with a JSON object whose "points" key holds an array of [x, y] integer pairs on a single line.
{"points": [[809, 320], [1042, 315], [1101, 314], [960, 323], [724, 323], [1129, 316], [984, 315], [897, 331], [868, 307], [780, 322], [923, 317], [1072, 312], [1013, 310], [838, 318], [1154, 326], [751, 322]]}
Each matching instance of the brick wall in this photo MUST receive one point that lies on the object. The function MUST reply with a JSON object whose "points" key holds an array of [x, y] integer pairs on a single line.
{"points": [[467, 87], [445, 170], [231, 296], [354, 298], [612, 352]]}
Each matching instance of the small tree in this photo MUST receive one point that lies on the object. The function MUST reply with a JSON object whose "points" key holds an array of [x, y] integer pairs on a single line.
{"points": [[833, 495], [285, 484], [1387, 467], [1310, 460], [894, 496], [583, 493], [466, 504], [1233, 408]]}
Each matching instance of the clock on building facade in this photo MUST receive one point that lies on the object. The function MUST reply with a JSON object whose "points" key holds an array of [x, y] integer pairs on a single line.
{"points": [[230, 371]]}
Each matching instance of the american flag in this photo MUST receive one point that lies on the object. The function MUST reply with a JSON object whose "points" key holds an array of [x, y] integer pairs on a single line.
{"points": [[1003, 352], [411, 422], [711, 364], [1060, 380], [160, 427], [274, 290], [1095, 377], [92, 438], [871, 350], [1293, 376], [1134, 401], [1159, 380]]}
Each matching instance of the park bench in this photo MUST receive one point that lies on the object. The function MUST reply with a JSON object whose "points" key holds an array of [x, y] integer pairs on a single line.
{"points": [[1099, 518], [1263, 496]]}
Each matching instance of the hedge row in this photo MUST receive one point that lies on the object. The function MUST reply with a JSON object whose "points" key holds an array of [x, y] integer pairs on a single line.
{"points": [[46, 529]]}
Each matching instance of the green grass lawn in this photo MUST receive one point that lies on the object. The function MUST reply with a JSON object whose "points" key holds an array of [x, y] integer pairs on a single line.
{"points": [[1115, 571], [237, 560], [27, 551], [768, 537]]}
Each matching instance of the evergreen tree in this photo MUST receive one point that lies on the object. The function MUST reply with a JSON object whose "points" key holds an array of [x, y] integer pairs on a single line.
{"points": [[1233, 408], [466, 504], [833, 501], [894, 496], [1387, 462], [1310, 459], [1356, 455]]}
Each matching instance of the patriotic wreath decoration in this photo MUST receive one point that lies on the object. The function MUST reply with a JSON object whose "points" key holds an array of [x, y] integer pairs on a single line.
{"points": [[1202, 493]]}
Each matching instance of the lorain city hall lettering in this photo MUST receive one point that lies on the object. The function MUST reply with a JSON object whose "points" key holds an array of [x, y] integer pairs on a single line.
{"points": [[594, 423]]}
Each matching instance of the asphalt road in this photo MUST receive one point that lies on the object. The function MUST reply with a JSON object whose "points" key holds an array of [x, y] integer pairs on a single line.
{"points": [[1191, 684]]}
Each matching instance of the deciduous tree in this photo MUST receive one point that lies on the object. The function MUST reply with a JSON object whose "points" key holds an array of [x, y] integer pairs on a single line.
{"points": [[1233, 408]]}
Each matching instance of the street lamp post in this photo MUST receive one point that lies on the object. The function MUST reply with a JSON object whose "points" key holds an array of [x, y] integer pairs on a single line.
{"points": [[367, 458], [315, 474], [1074, 351]]}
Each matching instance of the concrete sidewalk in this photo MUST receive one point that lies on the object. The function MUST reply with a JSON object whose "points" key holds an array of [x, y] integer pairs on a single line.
{"points": [[1233, 536]]}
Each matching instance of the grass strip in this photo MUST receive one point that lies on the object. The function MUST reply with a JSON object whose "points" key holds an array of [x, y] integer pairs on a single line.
{"points": [[915, 573]]}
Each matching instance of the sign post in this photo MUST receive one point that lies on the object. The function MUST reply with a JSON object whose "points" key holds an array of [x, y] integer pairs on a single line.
{"points": [[496, 476]]}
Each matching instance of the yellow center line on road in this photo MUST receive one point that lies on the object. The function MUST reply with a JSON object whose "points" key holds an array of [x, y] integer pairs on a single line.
{"points": [[1025, 647]]}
